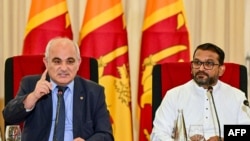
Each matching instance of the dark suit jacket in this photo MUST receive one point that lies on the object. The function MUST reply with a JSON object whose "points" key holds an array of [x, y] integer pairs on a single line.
{"points": [[91, 120]]}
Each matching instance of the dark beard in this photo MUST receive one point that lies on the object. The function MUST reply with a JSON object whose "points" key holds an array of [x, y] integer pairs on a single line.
{"points": [[204, 82]]}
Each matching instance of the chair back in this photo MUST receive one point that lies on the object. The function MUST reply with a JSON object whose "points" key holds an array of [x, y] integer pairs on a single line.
{"points": [[17, 67], [168, 75]]}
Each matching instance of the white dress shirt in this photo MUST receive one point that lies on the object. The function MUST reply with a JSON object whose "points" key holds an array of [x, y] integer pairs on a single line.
{"points": [[198, 109]]}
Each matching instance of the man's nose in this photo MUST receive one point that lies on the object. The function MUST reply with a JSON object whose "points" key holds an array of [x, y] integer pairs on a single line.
{"points": [[202, 67], [64, 66]]}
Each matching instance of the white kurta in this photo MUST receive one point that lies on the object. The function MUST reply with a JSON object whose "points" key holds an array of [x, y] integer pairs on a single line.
{"points": [[198, 109]]}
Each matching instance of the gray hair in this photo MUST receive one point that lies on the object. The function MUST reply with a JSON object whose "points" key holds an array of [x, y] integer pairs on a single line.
{"points": [[49, 44]]}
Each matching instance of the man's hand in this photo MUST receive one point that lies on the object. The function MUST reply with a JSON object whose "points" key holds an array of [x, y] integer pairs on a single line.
{"points": [[42, 88], [79, 139], [215, 138], [197, 137]]}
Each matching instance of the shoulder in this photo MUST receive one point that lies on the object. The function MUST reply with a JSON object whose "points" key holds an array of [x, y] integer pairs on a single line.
{"points": [[183, 87], [180, 91], [226, 86], [87, 82], [88, 85], [230, 91], [31, 78], [92, 91]]}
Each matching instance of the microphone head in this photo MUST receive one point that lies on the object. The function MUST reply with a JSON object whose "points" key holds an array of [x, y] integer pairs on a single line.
{"points": [[60, 90], [246, 102], [210, 89]]}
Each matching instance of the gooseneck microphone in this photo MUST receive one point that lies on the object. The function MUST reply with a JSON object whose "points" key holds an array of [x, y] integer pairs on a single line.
{"points": [[60, 116], [210, 90]]}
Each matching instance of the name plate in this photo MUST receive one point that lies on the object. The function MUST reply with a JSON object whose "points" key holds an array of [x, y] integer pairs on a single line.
{"points": [[237, 132]]}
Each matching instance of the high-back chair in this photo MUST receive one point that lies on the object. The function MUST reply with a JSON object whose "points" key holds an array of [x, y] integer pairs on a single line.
{"points": [[168, 75], [18, 66]]}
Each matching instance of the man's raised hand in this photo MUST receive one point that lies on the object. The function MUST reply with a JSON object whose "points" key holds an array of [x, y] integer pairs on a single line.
{"points": [[43, 86]]}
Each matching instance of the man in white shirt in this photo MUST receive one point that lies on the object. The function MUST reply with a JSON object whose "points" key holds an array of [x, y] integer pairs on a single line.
{"points": [[195, 101]]}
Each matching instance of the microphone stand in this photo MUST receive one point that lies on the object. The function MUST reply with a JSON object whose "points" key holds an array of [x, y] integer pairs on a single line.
{"points": [[246, 103], [210, 90]]}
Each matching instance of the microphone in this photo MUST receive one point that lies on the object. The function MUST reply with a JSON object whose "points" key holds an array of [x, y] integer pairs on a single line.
{"points": [[60, 115], [246, 103], [60, 91], [210, 90]]}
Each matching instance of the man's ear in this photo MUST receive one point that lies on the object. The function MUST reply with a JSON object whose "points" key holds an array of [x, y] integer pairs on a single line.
{"points": [[45, 62], [222, 69]]}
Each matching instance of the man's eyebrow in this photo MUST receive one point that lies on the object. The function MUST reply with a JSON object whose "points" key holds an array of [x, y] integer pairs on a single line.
{"points": [[56, 58], [209, 60], [71, 58]]}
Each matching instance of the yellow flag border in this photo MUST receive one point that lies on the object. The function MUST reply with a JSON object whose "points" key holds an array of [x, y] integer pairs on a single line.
{"points": [[45, 15], [101, 19]]}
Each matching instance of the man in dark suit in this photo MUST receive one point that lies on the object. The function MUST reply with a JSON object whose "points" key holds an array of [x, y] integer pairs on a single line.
{"points": [[86, 114]]}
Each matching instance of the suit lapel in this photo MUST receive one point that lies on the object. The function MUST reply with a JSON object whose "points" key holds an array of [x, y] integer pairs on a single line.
{"points": [[78, 105]]}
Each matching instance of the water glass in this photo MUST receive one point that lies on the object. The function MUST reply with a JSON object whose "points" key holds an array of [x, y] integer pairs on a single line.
{"points": [[13, 133], [196, 133]]}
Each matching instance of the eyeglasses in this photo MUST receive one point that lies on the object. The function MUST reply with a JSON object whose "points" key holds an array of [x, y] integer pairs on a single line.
{"points": [[207, 65]]}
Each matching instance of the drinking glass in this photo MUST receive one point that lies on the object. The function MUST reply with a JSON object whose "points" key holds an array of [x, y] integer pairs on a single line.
{"points": [[196, 133], [13, 133], [1, 138]]}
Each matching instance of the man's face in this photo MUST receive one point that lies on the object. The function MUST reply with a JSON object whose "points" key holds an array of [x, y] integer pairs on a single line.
{"points": [[62, 62], [206, 77]]}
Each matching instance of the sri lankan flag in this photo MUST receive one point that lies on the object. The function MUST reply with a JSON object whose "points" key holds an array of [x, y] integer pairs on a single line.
{"points": [[47, 19], [164, 39], [103, 36]]}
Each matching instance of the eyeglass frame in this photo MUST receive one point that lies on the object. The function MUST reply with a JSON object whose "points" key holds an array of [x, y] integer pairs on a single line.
{"points": [[205, 64]]}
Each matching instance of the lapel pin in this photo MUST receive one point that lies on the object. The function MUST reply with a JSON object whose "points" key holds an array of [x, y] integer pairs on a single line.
{"points": [[81, 97]]}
